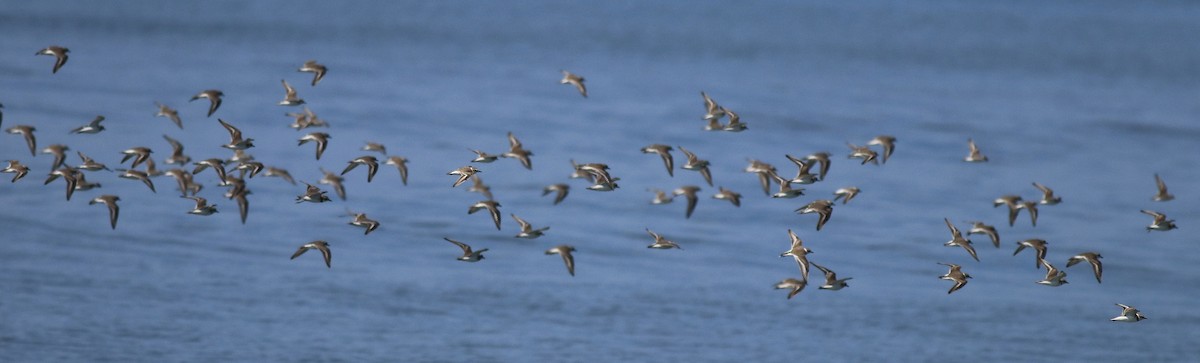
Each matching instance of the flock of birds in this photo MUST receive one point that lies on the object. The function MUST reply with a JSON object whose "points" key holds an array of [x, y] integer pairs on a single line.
{"points": [[233, 173]]}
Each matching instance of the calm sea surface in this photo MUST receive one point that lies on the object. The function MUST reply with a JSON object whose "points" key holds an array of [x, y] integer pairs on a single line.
{"points": [[1090, 98]]}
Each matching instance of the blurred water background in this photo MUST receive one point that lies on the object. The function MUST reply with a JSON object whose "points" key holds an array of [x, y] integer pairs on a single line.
{"points": [[1090, 98]]}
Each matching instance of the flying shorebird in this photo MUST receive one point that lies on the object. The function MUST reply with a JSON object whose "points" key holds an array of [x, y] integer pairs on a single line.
{"points": [[371, 163], [981, 228], [93, 127], [785, 188], [321, 138], [463, 174], [560, 191], [1161, 223], [59, 53], [184, 181], [15, 167], [974, 156], [316, 245], [468, 255], [887, 142], [1054, 276], [483, 157], [696, 164], [361, 220], [89, 164], [955, 274], [1162, 195], [731, 196], [803, 176], [1038, 245], [527, 230], [1128, 315], [177, 156], [69, 175], [516, 151], [236, 142], [822, 207], [579, 173], [249, 169], [799, 253], [477, 186], [864, 153], [318, 70], [217, 165], [376, 147], [139, 155], [660, 242], [214, 99], [795, 285], [713, 111], [335, 181], [1032, 207], [280, 173], [1014, 206], [27, 132], [735, 122], [598, 173], [846, 194], [137, 175], [831, 280], [401, 165], [202, 207], [290, 98], [1092, 258], [661, 197], [81, 182], [169, 113], [689, 192], [313, 194], [663, 151], [959, 241], [574, 80], [60, 154], [822, 158], [568, 258], [242, 202], [1048, 197], [113, 210], [492, 208], [764, 172]]}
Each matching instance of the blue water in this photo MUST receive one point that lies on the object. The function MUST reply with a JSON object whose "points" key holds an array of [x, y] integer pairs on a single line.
{"points": [[1089, 98]]}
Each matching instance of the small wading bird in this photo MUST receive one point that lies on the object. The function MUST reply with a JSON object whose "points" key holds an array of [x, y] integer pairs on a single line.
{"points": [[799, 253], [113, 210], [793, 284], [527, 230], [1128, 315], [574, 80], [59, 53], [468, 255], [959, 241], [1161, 223], [318, 70], [1162, 195], [566, 251], [955, 274], [316, 245], [214, 98], [660, 242], [822, 207]]}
